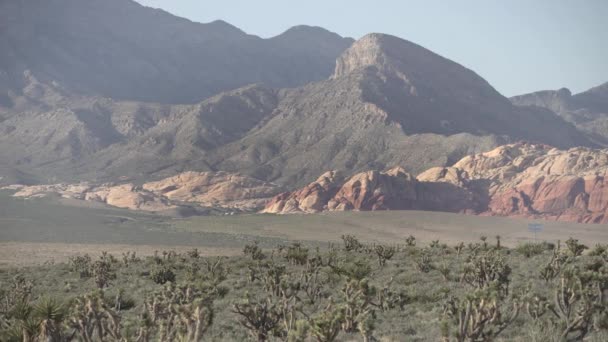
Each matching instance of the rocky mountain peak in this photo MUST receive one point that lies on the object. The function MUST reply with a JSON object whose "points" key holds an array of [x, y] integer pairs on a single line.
{"points": [[422, 72], [371, 50]]}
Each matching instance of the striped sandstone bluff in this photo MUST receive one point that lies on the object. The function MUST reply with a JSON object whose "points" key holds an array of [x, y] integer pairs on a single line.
{"points": [[207, 189], [520, 180]]}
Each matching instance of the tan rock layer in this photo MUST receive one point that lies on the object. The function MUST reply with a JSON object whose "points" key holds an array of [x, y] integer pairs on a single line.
{"points": [[212, 189]]}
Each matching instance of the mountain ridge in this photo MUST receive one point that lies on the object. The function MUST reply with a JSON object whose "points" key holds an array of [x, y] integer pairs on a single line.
{"points": [[122, 50]]}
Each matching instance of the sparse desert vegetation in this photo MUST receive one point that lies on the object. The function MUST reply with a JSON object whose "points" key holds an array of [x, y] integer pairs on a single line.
{"points": [[347, 291]]}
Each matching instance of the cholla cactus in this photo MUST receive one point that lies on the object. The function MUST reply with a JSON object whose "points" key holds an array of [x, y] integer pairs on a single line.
{"points": [[487, 269], [481, 315], [423, 262], [81, 264], [351, 243], [387, 299], [296, 254], [384, 253]]}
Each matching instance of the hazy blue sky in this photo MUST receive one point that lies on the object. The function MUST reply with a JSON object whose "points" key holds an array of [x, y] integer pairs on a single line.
{"points": [[519, 46]]}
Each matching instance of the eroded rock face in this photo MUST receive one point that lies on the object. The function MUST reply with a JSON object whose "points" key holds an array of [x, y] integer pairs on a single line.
{"points": [[372, 190], [222, 189], [524, 180], [209, 189], [310, 199]]}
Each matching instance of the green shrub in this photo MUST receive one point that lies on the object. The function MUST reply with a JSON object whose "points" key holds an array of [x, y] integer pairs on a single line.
{"points": [[530, 249]]}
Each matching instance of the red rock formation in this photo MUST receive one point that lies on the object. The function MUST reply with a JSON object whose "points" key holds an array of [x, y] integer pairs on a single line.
{"points": [[524, 180], [310, 199], [373, 190]]}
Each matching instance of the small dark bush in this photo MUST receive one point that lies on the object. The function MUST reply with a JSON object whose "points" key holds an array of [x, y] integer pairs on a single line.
{"points": [[163, 275]]}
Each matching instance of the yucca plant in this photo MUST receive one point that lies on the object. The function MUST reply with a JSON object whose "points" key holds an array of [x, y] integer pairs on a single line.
{"points": [[51, 315]]}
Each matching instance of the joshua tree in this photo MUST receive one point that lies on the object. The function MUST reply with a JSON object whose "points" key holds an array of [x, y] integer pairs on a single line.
{"points": [[484, 241], [93, 320], [351, 243], [384, 253], [357, 306], [555, 265], [410, 241], [82, 265], [387, 299], [296, 254], [254, 251], [311, 284], [273, 277], [481, 315], [574, 248], [182, 313], [102, 272], [487, 269], [259, 317], [580, 295], [459, 247]]}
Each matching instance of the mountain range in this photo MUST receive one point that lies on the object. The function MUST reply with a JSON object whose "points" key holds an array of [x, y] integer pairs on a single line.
{"points": [[112, 91]]}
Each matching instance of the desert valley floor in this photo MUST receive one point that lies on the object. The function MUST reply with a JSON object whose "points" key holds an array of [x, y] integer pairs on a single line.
{"points": [[42, 230]]}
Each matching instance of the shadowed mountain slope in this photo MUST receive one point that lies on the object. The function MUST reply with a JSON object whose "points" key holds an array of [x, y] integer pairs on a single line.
{"points": [[120, 49]]}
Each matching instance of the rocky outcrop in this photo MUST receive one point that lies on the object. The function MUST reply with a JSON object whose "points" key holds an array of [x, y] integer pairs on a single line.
{"points": [[524, 180], [207, 189], [310, 199], [215, 189], [372, 190], [127, 196]]}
